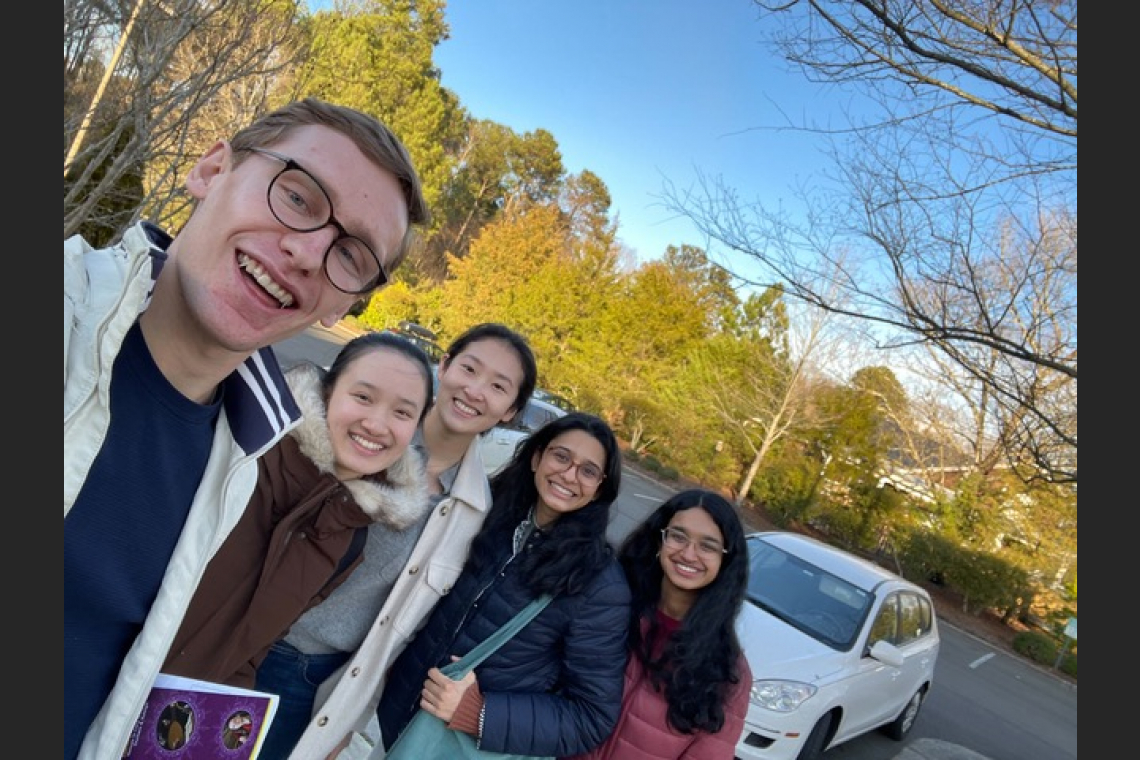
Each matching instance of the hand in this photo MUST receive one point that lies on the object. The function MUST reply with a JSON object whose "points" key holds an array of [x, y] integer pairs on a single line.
{"points": [[441, 695]]}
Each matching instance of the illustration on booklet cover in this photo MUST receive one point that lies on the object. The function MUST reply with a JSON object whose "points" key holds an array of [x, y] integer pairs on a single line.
{"points": [[184, 719]]}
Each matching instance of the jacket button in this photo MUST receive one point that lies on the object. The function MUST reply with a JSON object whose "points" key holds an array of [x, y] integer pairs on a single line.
{"points": [[355, 672], [324, 721], [413, 570], [444, 510]]}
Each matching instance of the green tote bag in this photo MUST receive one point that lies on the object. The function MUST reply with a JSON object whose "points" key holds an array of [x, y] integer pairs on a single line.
{"points": [[426, 737]]}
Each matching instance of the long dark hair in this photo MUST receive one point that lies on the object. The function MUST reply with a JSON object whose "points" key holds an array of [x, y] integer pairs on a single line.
{"points": [[577, 547], [700, 663]]}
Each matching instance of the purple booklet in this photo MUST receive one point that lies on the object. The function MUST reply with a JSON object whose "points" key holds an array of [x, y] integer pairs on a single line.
{"points": [[185, 719]]}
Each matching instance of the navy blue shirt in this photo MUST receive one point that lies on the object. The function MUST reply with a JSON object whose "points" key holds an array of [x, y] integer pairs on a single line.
{"points": [[121, 532]]}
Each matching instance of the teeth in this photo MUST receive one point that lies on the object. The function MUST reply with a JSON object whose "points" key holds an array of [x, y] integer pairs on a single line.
{"points": [[562, 488], [370, 445], [263, 279], [465, 408]]}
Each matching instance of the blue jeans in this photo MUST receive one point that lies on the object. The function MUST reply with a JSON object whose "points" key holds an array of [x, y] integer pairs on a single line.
{"points": [[295, 677]]}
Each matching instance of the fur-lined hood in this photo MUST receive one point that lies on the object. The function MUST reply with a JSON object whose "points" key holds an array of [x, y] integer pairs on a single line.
{"points": [[399, 500]]}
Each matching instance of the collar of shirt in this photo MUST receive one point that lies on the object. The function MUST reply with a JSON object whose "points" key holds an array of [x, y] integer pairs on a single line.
{"points": [[447, 477]]}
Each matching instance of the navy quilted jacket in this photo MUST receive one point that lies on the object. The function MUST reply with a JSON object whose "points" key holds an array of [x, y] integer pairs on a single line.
{"points": [[554, 689]]}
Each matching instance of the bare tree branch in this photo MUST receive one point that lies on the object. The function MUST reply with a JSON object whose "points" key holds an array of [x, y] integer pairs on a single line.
{"points": [[184, 63], [950, 221]]}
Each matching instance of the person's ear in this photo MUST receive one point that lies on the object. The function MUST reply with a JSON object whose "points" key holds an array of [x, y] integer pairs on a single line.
{"points": [[331, 320], [510, 415], [213, 162]]}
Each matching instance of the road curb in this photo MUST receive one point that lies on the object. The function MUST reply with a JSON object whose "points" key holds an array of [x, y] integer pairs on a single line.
{"points": [[933, 749]]}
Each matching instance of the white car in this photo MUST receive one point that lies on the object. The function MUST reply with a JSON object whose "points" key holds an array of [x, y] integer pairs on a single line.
{"points": [[838, 646], [499, 443]]}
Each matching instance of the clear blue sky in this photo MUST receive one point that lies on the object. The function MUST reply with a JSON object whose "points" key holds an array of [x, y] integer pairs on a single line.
{"points": [[639, 91]]}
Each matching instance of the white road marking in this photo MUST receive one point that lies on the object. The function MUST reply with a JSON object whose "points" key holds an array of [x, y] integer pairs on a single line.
{"points": [[981, 660]]}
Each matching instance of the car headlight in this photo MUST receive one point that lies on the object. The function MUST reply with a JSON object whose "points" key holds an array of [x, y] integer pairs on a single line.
{"points": [[781, 696]]}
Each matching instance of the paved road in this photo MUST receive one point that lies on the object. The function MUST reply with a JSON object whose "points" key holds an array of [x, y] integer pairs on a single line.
{"points": [[932, 749], [316, 344]]}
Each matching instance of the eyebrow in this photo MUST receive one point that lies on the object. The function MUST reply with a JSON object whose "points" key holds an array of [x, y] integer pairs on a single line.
{"points": [[574, 455], [377, 390], [338, 204], [700, 537], [501, 376]]}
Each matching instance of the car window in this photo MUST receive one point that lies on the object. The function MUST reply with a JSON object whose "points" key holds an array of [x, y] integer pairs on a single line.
{"points": [[561, 402], [903, 618], [807, 597], [914, 618], [532, 418], [886, 625]]}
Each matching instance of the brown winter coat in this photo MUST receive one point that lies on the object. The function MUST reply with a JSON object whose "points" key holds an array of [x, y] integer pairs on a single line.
{"points": [[280, 559]]}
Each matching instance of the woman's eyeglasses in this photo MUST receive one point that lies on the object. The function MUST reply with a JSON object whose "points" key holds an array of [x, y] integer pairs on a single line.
{"points": [[589, 474], [678, 539]]}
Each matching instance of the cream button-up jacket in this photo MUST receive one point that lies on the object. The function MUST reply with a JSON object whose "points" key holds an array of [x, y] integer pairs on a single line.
{"points": [[346, 703]]}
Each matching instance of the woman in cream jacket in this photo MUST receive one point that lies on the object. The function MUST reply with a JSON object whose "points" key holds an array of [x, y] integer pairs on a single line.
{"points": [[486, 376]]}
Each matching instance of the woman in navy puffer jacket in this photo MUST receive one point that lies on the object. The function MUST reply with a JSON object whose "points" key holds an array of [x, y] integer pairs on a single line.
{"points": [[556, 687]]}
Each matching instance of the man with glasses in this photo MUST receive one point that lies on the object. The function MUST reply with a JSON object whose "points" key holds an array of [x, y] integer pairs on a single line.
{"points": [[171, 392]]}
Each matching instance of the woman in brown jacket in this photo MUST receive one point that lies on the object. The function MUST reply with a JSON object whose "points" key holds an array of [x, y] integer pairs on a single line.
{"points": [[347, 464]]}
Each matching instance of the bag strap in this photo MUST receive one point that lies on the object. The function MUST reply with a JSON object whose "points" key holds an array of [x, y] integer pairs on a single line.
{"points": [[487, 647]]}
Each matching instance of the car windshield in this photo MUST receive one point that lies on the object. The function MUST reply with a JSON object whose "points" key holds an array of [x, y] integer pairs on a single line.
{"points": [[820, 604]]}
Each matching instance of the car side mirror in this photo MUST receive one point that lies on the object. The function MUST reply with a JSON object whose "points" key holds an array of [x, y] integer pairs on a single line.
{"points": [[887, 653]]}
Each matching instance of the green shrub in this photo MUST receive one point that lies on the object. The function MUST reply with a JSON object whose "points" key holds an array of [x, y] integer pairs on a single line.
{"points": [[841, 525], [1043, 649], [1037, 646], [632, 456], [651, 463], [669, 472]]}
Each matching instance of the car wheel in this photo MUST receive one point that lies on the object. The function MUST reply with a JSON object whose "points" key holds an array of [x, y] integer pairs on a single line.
{"points": [[901, 726], [817, 739]]}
